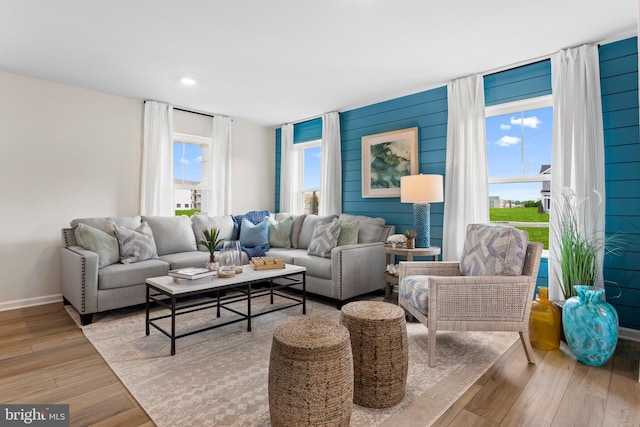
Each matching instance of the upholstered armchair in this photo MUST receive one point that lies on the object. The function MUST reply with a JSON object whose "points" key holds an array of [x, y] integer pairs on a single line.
{"points": [[490, 289]]}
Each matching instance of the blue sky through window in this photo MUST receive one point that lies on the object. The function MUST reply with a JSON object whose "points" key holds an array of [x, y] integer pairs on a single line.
{"points": [[312, 158], [508, 136], [187, 162]]}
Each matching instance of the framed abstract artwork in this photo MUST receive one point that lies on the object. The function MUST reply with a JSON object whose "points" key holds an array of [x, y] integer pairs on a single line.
{"points": [[386, 157]]}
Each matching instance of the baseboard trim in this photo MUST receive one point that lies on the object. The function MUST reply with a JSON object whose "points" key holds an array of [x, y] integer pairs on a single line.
{"points": [[629, 334], [30, 302]]}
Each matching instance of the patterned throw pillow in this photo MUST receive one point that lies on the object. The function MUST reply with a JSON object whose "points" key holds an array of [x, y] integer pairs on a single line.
{"points": [[136, 245], [493, 250], [324, 238], [348, 233], [95, 240], [280, 233]]}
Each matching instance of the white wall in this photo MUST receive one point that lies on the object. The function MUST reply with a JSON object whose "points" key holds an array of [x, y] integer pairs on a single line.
{"points": [[67, 153], [253, 155]]}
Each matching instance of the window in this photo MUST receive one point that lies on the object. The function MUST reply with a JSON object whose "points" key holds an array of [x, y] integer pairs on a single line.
{"points": [[519, 138], [190, 172], [310, 157]]}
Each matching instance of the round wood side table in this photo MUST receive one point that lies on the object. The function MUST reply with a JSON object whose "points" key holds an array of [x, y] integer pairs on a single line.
{"points": [[392, 279]]}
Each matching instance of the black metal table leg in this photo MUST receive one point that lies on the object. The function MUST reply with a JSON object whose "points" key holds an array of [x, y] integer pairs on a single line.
{"points": [[271, 290], [173, 325], [249, 308], [218, 309], [147, 312], [304, 292]]}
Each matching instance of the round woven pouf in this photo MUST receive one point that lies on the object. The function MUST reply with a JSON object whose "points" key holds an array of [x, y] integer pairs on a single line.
{"points": [[380, 353], [310, 374]]}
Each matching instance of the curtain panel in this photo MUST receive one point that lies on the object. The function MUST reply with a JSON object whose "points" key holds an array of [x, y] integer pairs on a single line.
{"points": [[216, 200], [289, 173], [156, 189], [466, 189], [331, 166], [577, 154]]}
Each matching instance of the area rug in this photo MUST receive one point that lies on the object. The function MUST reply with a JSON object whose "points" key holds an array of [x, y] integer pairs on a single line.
{"points": [[219, 377]]}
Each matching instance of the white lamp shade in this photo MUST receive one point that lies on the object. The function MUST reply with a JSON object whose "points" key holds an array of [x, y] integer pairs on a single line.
{"points": [[421, 189]]}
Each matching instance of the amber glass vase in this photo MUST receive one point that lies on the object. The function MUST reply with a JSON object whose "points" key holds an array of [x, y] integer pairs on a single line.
{"points": [[544, 322]]}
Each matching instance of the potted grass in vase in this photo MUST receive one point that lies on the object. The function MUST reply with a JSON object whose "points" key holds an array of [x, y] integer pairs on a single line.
{"points": [[586, 317], [211, 242]]}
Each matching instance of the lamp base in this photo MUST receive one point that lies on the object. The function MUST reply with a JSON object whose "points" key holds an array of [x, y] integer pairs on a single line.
{"points": [[422, 223]]}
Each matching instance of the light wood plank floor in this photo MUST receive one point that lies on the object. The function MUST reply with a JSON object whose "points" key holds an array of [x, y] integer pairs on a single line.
{"points": [[45, 358]]}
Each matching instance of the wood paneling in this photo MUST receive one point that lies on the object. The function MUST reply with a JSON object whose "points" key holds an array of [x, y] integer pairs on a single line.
{"points": [[619, 87]]}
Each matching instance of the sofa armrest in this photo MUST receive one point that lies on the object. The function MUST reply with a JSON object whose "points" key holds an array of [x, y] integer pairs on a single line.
{"points": [[80, 278], [357, 269]]}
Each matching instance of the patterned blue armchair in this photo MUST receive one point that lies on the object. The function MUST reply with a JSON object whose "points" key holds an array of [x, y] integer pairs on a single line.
{"points": [[490, 289]]}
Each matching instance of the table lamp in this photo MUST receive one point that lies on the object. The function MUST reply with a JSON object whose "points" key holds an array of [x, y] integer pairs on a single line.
{"points": [[421, 190]]}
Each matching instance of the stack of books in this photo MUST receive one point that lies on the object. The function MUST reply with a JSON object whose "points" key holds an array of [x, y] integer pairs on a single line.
{"points": [[192, 273]]}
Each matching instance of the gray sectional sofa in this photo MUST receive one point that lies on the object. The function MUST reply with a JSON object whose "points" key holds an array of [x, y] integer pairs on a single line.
{"points": [[94, 278]]}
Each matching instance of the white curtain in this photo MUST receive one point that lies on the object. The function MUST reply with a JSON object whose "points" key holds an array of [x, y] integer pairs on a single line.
{"points": [[156, 192], [289, 173], [331, 166], [217, 200], [466, 197], [577, 154]]}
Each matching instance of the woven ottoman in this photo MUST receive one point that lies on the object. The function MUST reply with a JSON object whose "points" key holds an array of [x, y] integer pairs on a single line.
{"points": [[310, 374], [380, 354]]}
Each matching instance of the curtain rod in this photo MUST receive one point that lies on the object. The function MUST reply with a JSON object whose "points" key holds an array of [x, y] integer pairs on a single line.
{"points": [[186, 110]]}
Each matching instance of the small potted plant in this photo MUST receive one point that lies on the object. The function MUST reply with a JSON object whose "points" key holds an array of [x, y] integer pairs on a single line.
{"points": [[411, 238], [211, 242]]}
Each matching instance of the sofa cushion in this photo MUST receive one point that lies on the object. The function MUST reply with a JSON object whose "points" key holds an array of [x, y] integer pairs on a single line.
{"points": [[287, 255], [493, 250], [296, 226], [316, 266], [253, 235], [309, 224], [124, 275], [348, 233], [280, 232], [369, 229], [106, 223], [186, 259], [255, 217], [222, 223], [172, 234], [325, 238], [96, 240], [135, 245], [415, 289]]}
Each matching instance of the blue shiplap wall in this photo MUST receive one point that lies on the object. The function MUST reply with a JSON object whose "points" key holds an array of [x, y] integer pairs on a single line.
{"points": [[428, 111], [619, 86], [425, 110], [519, 83]]}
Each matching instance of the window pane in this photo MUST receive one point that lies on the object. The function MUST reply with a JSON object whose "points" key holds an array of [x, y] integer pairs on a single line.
{"points": [[312, 167], [519, 144], [521, 202], [311, 201], [187, 163]]}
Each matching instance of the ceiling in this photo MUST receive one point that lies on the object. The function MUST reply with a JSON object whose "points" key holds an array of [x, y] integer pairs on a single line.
{"points": [[277, 61]]}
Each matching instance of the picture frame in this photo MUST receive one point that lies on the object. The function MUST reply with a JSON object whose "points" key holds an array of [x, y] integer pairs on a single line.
{"points": [[386, 157]]}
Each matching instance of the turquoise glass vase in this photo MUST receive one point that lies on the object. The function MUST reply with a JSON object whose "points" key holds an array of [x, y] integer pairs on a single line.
{"points": [[590, 326]]}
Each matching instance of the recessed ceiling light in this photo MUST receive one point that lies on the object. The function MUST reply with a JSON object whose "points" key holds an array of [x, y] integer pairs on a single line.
{"points": [[187, 81]]}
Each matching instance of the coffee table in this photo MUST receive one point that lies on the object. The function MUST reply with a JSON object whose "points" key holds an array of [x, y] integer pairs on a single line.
{"points": [[172, 294]]}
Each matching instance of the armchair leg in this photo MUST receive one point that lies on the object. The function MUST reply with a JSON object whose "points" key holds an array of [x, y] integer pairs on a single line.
{"points": [[432, 348], [528, 350]]}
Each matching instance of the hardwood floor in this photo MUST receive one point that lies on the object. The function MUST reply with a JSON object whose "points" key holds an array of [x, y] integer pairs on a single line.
{"points": [[45, 358]]}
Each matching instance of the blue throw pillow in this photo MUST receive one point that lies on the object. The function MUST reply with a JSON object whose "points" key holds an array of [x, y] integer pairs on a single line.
{"points": [[254, 235]]}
